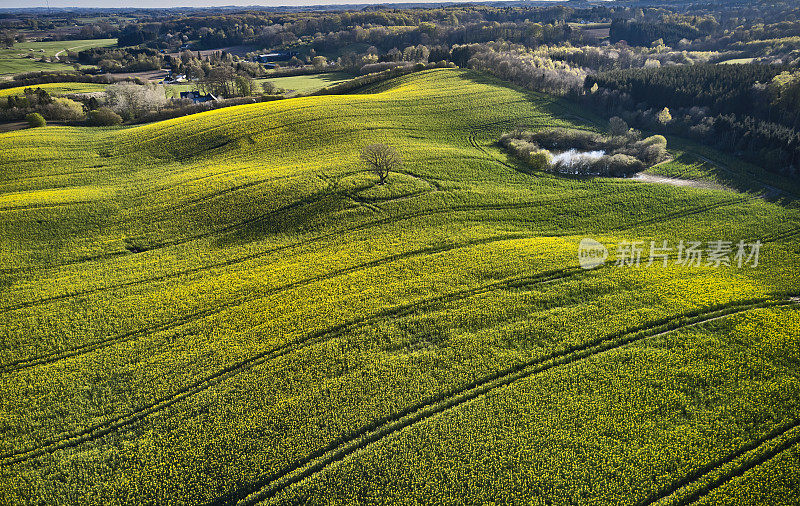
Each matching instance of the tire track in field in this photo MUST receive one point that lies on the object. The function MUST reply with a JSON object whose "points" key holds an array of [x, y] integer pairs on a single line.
{"points": [[686, 212], [226, 191], [288, 207], [763, 186], [339, 449], [118, 422], [239, 301], [31, 207], [363, 203], [762, 449], [780, 236], [51, 175], [473, 141], [221, 231], [547, 200], [362, 226]]}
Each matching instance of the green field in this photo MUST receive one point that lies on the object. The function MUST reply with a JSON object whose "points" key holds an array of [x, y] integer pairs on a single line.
{"points": [[308, 83], [225, 307], [737, 61], [24, 56], [292, 84], [57, 88]]}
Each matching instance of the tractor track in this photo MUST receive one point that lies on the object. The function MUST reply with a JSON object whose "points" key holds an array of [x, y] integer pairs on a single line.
{"points": [[239, 301], [340, 449], [730, 460], [686, 212], [118, 422], [549, 199]]}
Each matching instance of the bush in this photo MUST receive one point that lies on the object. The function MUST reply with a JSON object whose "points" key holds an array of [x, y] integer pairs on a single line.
{"points": [[35, 119], [651, 150], [366, 80], [617, 126], [371, 68], [618, 165], [63, 109], [269, 88], [103, 117]]}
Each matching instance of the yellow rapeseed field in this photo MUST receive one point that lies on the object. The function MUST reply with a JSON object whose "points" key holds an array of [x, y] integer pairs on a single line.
{"points": [[226, 307]]}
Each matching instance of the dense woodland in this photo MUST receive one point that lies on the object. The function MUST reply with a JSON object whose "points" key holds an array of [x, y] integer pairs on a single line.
{"points": [[659, 67], [752, 110]]}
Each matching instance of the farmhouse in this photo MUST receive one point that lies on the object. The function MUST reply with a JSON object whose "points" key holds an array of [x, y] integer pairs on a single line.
{"points": [[196, 97]]}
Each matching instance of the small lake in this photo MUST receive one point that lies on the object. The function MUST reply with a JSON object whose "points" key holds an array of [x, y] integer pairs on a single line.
{"points": [[573, 156]]}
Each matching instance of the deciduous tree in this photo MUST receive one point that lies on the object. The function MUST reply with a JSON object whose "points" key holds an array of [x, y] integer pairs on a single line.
{"points": [[381, 159]]}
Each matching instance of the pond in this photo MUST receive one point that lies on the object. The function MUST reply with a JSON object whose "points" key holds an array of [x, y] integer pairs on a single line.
{"points": [[573, 157]]}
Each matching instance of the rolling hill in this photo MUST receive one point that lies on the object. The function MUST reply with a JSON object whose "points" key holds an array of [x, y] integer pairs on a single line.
{"points": [[225, 307]]}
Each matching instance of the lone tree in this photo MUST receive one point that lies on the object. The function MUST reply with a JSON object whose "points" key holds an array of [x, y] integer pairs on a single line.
{"points": [[381, 159]]}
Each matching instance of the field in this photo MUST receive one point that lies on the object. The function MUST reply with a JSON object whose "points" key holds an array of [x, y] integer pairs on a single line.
{"points": [[226, 308], [56, 88], [24, 56], [308, 83], [737, 61], [292, 84]]}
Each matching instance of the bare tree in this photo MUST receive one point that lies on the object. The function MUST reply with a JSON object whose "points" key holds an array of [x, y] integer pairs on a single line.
{"points": [[381, 159]]}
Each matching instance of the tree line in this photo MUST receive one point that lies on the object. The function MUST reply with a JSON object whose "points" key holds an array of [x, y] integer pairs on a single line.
{"points": [[751, 110]]}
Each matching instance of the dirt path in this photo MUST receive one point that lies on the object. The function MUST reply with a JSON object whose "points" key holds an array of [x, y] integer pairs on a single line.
{"points": [[15, 125], [644, 177], [71, 48]]}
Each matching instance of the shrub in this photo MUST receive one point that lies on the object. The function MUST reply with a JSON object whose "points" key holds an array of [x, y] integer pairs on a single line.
{"points": [[617, 126], [619, 165], [63, 109], [35, 119], [103, 117]]}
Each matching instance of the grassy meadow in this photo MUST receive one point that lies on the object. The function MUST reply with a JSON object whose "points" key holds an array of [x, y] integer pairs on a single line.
{"points": [[292, 84], [226, 307], [24, 56], [309, 83]]}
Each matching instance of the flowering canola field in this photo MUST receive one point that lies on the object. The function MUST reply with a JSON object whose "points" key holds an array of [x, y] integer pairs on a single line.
{"points": [[225, 308]]}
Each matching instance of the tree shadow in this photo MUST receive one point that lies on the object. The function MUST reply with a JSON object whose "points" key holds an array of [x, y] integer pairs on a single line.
{"points": [[310, 213]]}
